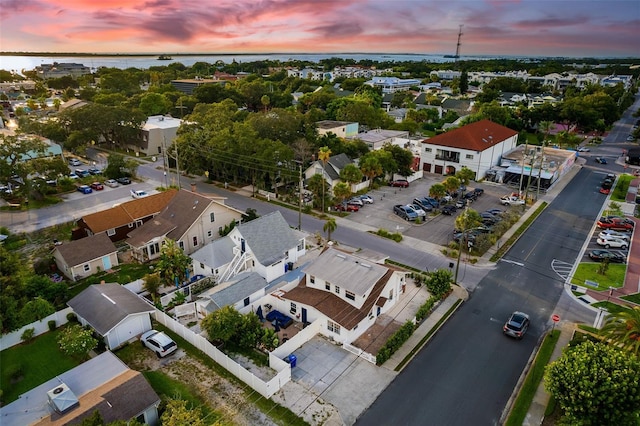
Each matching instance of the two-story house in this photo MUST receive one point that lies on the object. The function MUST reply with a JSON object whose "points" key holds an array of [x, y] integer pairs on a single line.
{"points": [[267, 246], [190, 219], [119, 220], [477, 146], [342, 129], [157, 135], [346, 292], [330, 171]]}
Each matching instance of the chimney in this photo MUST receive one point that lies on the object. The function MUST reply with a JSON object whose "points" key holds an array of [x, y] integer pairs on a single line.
{"points": [[102, 282], [193, 187]]}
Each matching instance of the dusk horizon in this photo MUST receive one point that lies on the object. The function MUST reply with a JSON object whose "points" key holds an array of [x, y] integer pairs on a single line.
{"points": [[523, 28]]}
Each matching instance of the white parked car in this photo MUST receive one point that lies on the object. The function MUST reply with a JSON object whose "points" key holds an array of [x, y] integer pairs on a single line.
{"points": [[608, 234], [158, 342], [510, 200], [138, 193], [416, 208], [112, 183], [613, 243]]}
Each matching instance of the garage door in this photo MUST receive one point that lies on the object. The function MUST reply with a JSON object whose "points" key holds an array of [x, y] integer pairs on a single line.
{"points": [[128, 329]]}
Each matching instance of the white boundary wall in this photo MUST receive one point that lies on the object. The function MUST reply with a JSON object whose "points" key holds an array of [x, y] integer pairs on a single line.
{"points": [[11, 339], [266, 389]]}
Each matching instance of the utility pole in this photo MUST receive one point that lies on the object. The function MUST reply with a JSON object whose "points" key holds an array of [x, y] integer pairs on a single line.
{"points": [[300, 198]]}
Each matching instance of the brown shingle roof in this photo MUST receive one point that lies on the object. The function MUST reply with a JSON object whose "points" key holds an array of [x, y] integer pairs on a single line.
{"points": [[476, 136], [86, 249], [337, 309], [176, 218], [128, 212]]}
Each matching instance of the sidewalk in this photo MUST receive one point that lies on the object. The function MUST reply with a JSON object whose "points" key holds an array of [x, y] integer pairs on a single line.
{"points": [[535, 416]]}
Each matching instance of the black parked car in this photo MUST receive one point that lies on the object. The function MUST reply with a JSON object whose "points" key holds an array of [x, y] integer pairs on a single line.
{"points": [[448, 210], [123, 180], [601, 255]]}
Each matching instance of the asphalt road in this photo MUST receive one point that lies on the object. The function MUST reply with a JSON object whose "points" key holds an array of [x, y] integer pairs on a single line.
{"points": [[468, 371]]}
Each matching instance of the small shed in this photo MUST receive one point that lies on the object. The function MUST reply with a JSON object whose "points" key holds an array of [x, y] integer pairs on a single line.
{"points": [[87, 256]]}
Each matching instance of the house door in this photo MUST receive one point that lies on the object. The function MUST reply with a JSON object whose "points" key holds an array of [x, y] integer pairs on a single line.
{"points": [[378, 311], [106, 263], [304, 315], [438, 170], [242, 246], [426, 167]]}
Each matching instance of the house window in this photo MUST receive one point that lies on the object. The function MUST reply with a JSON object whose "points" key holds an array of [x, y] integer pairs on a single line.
{"points": [[154, 248], [181, 245], [212, 216], [220, 230], [427, 150], [201, 265], [293, 308], [195, 241], [349, 295], [301, 246], [286, 253], [469, 156], [246, 301], [86, 267], [209, 233], [138, 223], [337, 290], [333, 327], [312, 279], [111, 232], [391, 294], [327, 286]]}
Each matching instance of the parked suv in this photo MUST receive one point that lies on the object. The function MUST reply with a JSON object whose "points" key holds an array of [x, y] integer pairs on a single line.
{"points": [[405, 212], [613, 243], [158, 342], [423, 203]]}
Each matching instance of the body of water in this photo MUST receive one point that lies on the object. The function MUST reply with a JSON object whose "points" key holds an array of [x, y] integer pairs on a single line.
{"points": [[19, 63]]}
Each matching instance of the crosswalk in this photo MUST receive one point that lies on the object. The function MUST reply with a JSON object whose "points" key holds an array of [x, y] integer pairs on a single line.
{"points": [[562, 269]]}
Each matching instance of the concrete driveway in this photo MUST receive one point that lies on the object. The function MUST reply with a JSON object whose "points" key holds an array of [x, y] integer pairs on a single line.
{"points": [[339, 377]]}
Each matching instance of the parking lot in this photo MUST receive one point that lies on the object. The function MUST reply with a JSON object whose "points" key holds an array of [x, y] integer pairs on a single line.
{"points": [[593, 245], [437, 228]]}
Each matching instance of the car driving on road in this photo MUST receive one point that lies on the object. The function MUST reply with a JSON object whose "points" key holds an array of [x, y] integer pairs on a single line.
{"points": [[138, 193], [517, 325]]}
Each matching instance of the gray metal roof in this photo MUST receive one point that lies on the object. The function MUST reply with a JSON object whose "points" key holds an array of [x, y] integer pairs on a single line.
{"points": [[103, 306], [215, 254], [243, 286], [127, 399], [346, 271], [269, 237]]}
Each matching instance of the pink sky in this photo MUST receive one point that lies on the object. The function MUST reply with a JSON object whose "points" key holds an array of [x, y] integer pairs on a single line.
{"points": [[491, 27]]}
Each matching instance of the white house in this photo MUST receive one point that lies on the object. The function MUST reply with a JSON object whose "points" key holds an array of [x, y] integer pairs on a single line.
{"points": [[158, 133], [342, 129], [190, 219], [331, 171], [346, 292], [114, 312], [266, 245], [239, 292], [477, 146]]}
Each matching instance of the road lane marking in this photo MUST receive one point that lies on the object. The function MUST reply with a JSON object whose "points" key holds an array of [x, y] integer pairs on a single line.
{"points": [[512, 262]]}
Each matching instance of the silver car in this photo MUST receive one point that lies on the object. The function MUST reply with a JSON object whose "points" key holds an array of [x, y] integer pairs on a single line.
{"points": [[517, 325]]}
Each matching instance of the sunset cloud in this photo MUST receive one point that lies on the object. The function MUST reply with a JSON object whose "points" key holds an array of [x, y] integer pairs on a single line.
{"points": [[505, 27]]}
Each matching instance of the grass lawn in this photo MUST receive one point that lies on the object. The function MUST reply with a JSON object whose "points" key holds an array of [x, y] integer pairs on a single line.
{"points": [[635, 298], [620, 191], [123, 274], [39, 360], [589, 271], [610, 307], [531, 383]]}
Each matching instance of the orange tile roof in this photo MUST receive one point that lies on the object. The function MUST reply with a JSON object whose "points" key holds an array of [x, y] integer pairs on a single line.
{"points": [[476, 136], [128, 212]]}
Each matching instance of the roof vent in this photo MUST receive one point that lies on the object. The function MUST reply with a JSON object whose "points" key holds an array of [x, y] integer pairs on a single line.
{"points": [[341, 256], [62, 399]]}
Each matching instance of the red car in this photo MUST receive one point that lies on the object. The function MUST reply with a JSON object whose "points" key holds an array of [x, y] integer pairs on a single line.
{"points": [[616, 224], [400, 183], [97, 186], [346, 208]]}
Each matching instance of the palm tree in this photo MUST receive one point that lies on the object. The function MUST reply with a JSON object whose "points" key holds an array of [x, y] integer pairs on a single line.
{"points": [[324, 155], [622, 329], [371, 167], [329, 226]]}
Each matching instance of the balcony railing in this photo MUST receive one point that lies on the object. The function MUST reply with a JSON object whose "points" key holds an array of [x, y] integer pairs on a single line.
{"points": [[448, 158]]}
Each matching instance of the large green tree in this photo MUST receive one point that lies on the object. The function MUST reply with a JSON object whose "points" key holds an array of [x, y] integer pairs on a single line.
{"points": [[173, 264], [596, 384]]}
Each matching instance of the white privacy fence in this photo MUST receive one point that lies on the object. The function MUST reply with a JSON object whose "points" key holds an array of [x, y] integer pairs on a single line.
{"points": [[266, 389], [40, 327]]}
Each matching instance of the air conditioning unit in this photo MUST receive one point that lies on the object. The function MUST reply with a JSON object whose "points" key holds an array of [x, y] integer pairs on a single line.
{"points": [[62, 399]]}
